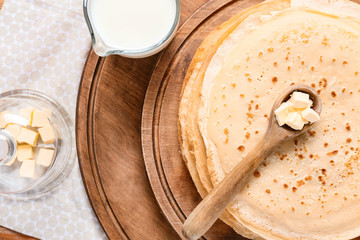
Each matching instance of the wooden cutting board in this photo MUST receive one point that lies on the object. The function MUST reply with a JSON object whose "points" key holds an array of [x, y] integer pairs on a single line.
{"points": [[8, 234], [109, 114], [110, 100], [129, 105], [168, 175]]}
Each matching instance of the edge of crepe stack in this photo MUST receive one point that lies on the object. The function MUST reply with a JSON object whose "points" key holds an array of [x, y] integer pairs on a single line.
{"points": [[194, 148]]}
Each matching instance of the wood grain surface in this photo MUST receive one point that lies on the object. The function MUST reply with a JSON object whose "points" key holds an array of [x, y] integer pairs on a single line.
{"points": [[111, 108], [110, 102], [112, 168], [7, 234], [169, 178], [167, 173]]}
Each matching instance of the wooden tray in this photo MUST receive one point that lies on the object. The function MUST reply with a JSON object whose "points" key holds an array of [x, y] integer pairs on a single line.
{"points": [[110, 101], [169, 178]]}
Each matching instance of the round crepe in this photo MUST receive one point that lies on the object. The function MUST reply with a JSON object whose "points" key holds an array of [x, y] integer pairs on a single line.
{"points": [[307, 188]]}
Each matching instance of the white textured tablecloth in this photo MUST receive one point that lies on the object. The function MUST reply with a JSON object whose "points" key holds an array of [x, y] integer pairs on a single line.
{"points": [[43, 46]]}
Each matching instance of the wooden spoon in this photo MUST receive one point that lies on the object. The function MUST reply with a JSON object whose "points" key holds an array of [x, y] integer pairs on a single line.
{"points": [[210, 208]]}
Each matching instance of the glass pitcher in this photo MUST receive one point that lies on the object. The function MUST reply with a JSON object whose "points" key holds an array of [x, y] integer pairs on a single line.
{"points": [[102, 48]]}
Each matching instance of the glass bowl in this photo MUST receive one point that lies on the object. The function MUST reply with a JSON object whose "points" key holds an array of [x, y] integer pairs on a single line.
{"points": [[12, 185]]}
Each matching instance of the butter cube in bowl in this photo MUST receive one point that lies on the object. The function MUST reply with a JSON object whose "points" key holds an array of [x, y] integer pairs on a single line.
{"points": [[43, 139]]}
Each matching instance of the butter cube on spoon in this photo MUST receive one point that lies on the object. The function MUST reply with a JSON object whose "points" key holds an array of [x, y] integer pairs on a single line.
{"points": [[310, 115], [295, 121], [300, 100], [282, 112]]}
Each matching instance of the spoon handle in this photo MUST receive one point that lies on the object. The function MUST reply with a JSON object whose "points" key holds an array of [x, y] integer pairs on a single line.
{"points": [[211, 207]]}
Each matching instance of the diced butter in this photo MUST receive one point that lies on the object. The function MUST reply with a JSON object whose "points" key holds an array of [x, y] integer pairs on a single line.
{"points": [[300, 100], [5, 119], [39, 119], [45, 157], [47, 134], [24, 152], [13, 129], [26, 113], [47, 112], [27, 136], [11, 162], [296, 112], [282, 112], [27, 169], [310, 115], [294, 120]]}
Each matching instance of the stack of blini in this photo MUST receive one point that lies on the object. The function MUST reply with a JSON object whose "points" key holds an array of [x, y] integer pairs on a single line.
{"points": [[307, 188]]}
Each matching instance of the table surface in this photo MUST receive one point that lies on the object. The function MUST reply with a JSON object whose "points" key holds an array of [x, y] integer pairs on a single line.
{"points": [[4, 232], [186, 11], [102, 164]]}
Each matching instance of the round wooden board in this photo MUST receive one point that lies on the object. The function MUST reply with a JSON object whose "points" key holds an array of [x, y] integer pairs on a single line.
{"points": [[110, 100], [169, 178], [108, 120]]}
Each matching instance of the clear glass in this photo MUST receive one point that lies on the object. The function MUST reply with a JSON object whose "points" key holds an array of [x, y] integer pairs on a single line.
{"points": [[7, 147], [102, 49], [12, 185]]}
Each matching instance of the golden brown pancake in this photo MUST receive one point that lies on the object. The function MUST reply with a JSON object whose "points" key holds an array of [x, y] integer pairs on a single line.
{"points": [[306, 188]]}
